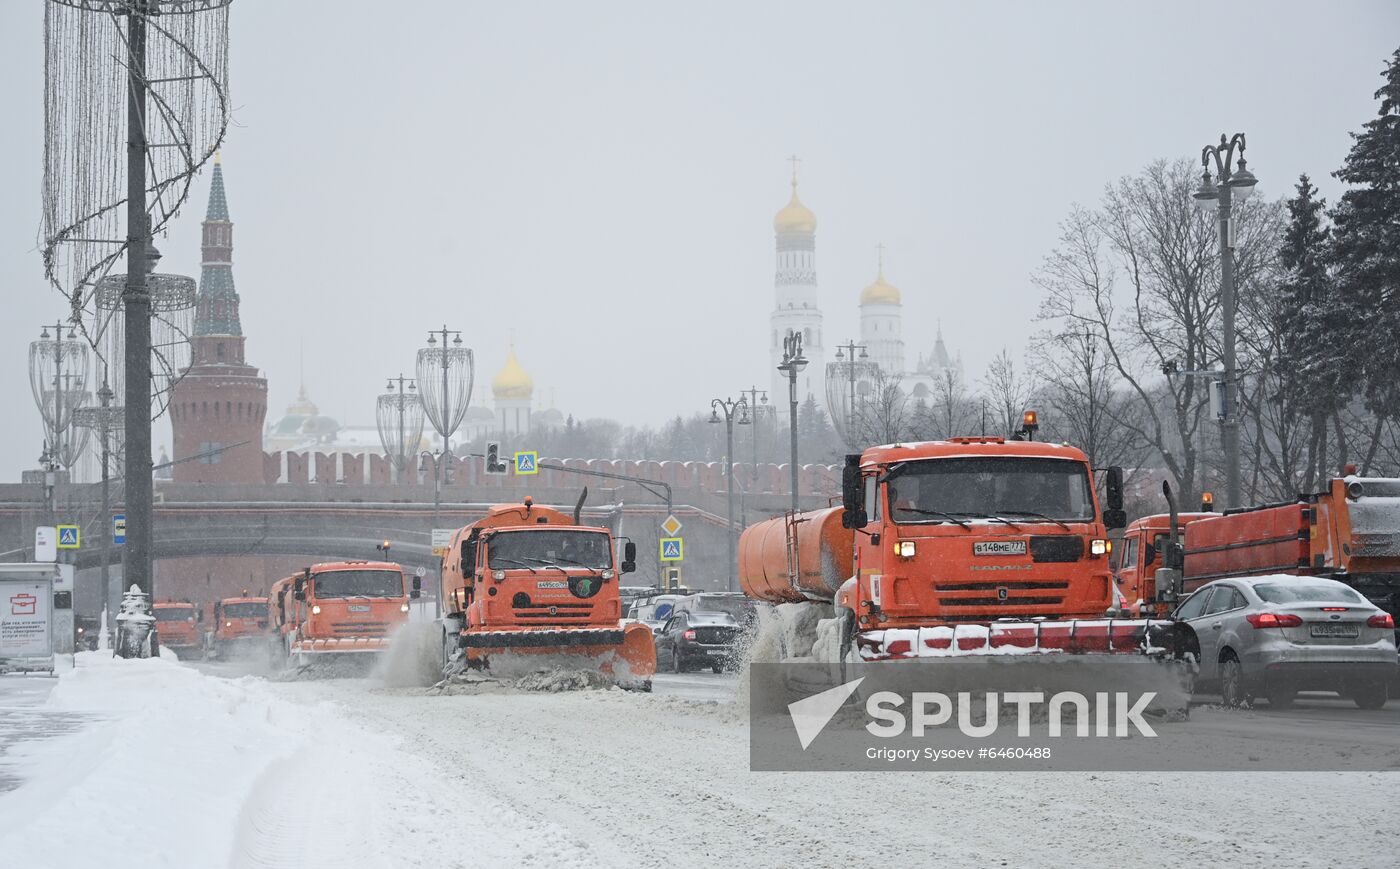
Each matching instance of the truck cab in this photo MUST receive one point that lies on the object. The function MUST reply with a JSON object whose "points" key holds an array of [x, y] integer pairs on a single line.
{"points": [[1137, 557], [239, 621], [177, 624], [341, 607]]}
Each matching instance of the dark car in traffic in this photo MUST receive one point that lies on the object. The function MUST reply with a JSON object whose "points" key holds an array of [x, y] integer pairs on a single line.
{"points": [[698, 640]]}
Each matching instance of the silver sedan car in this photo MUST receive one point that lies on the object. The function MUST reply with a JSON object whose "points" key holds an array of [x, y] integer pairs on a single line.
{"points": [[1273, 636]]}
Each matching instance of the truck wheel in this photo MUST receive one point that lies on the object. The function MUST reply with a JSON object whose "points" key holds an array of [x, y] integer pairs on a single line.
{"points": [[1232, 691], [1370, 695]]}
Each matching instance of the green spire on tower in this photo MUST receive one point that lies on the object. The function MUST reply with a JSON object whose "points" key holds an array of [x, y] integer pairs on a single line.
{"points": [[218, 204]]}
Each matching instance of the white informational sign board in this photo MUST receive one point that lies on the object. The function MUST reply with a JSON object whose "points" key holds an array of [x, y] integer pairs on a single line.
{"points": [[46, 543], [26, 620], [442, 539], [64, 580]]}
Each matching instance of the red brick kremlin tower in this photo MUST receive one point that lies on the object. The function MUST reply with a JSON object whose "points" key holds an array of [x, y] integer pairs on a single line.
{"points": [[217, 407]]}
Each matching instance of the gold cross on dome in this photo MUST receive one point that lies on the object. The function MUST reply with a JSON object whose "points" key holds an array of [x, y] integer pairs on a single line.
{"points": [[794, 160]]}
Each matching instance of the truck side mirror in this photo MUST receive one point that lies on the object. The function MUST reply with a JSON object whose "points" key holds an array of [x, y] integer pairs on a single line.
{"points": [[1113, 514], [629, 557], [299, 590], [852, 495]]}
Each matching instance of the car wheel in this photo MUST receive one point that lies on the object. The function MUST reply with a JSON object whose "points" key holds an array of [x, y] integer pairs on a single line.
{"points": [[1232, 692], [1281, 698], [676, 665], [1370, 695]]}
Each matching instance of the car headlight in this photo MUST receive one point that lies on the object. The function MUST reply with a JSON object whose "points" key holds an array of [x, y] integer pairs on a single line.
{"points": [[316, 610], [1100, 547], [403, 608]]}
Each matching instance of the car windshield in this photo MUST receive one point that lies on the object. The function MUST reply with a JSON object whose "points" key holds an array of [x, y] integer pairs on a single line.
{"points": [[245, 610], [1309, 593], [174, 613], [358, 583], [533, 548], [939, 490], [737, 608]]}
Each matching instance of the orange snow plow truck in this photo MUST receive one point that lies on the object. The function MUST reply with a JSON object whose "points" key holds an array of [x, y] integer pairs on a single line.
{"points": [[240, 625], [1350, 532], [529, 587], [338, 608], [958, 549], [177, 626]]}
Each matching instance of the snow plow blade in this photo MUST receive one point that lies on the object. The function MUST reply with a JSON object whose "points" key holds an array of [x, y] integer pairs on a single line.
{"points": [[626, 653], [1085, 655], [340, 645]]}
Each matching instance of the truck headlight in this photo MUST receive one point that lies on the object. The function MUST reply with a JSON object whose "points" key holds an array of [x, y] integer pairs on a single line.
{"points": [[403, 608], [904, 548], [228, 624], [607, 574], [1100, 547], [316, 610], [498, 575]]}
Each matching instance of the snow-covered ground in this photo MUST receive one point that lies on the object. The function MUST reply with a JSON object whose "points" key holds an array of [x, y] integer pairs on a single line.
{"points": [[197, 767]]}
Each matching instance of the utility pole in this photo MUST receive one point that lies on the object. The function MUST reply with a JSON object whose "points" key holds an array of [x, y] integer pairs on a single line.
{"points": [[136, 560], [792, 364], [1232, 181], [754, 395], [729, 406]]}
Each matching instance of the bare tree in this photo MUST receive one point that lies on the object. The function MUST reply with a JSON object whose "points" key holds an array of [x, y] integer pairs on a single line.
{"points": [[1006, 392], [1085, 401], [951, 410], [1142, 275], [882, 414]]}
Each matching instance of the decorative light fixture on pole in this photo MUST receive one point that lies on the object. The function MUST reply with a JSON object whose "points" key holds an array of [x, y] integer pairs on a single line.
{"points": [[445, 386], [729, 406], [792, 365], [58, 378], [758, 405], [1218, 193], [399, 415], [841, 379], [106, 420]]}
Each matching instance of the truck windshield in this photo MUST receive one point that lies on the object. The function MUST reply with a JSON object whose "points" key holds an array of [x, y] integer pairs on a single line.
{"points": [[516, 549], [174, 613], [358, 583], [1012, 487], [245, 610]]}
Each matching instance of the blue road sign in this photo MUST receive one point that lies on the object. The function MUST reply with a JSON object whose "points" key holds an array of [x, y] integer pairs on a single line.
{"points": [[672, 549], [68, 537], [119, 529], [527, 463]]}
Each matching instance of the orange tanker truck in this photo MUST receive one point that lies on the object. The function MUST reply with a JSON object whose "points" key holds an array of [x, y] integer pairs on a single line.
{"points": [[177, 625], [528, 586], [338, 608], [240, 625], [964, 547]]}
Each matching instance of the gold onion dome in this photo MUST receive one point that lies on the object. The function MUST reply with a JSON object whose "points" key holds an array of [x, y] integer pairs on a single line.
{"points": [[880, 293], [512, 381], [795, 217]]}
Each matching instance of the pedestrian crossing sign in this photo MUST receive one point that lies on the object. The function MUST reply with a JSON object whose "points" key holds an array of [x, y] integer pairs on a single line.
{"points": [[672, 549], [527, 463], [68, 537]]}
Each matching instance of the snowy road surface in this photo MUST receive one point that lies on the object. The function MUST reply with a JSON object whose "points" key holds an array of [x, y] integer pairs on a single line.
{"points": [[201, 767]]}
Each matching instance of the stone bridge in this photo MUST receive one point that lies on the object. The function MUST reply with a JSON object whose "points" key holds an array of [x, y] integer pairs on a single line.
{"points": [[212, 541]]}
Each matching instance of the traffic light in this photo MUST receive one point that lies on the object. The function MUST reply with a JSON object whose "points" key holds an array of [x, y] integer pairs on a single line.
{"points": [[494, 465]]}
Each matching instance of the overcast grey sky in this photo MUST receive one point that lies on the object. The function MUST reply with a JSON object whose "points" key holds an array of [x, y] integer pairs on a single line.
{"points": [[599, 179]]}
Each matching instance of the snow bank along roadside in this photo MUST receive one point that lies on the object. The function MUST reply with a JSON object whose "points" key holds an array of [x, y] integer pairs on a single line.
{"points": [[185, 770]]}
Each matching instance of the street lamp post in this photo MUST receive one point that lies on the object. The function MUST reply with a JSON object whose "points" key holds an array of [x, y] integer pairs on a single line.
{"points": [[842, 352], [758, 403], [730, 407], [445, 405], [792, 365], [1218, 193]]}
